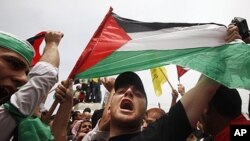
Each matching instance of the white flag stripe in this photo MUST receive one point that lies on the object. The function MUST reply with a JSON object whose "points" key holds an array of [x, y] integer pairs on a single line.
{"points": [[176, 38]]}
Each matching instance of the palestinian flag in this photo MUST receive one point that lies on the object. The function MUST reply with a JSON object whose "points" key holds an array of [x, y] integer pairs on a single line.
{"points": [[121, 44], [36, 41]]}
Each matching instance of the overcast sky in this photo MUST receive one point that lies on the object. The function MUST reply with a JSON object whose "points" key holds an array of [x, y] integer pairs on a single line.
{"points": [[78, 20]]}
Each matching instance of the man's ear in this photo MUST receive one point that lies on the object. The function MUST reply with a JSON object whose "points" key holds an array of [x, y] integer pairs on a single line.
{"points": [[108, 110]]}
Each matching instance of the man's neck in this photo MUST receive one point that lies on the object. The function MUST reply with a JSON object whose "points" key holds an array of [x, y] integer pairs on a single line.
{"points": [[116, 131]]}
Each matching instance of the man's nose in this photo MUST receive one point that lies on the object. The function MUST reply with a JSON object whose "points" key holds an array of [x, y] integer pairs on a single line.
{"points": [[129, 92]]}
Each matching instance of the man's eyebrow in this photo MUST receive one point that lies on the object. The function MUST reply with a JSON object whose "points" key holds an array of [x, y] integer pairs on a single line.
{"points": [[17, 61], [22, 63]]}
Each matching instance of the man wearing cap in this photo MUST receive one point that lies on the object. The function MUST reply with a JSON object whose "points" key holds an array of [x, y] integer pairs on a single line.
{"points": [[129, 104], [219, 116], [22, 91], [128, 107]]}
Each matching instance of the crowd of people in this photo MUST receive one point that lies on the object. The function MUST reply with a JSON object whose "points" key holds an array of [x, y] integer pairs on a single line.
{"points": [[125, 116], [88, 90]]}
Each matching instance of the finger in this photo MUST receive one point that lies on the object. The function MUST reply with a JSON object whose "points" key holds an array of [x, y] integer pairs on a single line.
{"points": [[61, 92], [59, 97], [60, 89], [233, 36], [65, 83], [232, 29], [70, 83], [70, 87]]}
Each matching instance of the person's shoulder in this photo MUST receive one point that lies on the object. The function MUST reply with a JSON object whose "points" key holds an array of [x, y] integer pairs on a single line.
{"points": [[43, 67]]}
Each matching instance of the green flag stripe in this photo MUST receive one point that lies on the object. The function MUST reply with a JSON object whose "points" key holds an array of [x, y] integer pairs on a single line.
{"points": [[228, 64]]}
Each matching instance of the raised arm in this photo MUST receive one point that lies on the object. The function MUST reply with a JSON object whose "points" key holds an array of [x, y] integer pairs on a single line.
{"points": [[42, 77], [105, 119], [50, 53], [202, 93], [64, 94]]}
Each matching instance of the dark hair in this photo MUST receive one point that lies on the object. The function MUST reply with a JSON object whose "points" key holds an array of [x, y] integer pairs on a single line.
{"points": [[74, 114], [227, 102], [87, 109], [96, 116]]}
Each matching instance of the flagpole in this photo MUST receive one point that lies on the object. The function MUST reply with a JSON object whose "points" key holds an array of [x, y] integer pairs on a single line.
{"points": [[51, 109], [167, 79], [159, 104]]}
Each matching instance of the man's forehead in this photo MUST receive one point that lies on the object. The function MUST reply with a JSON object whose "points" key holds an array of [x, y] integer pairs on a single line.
{"points": [[17, 45]]}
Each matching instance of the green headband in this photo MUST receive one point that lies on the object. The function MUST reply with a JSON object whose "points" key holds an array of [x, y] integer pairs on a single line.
{"points": [[17, 45]]}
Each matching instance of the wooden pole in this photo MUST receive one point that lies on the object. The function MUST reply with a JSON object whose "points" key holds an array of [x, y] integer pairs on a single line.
{"points": [[167, 80]]}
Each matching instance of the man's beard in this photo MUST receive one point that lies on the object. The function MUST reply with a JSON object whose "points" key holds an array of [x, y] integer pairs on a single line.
{"points": [[4, 96]]}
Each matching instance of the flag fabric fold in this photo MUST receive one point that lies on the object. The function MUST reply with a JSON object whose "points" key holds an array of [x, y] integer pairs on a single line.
{"points": [[159, 77], [121, 44], [36, 41]]}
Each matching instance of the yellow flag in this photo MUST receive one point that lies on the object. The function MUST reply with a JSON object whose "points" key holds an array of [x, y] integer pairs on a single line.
{"points": [[96, 80], [159, 76]]}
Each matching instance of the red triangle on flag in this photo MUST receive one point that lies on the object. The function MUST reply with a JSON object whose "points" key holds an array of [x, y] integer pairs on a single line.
{"points": [[180, 71], [103, 43]]}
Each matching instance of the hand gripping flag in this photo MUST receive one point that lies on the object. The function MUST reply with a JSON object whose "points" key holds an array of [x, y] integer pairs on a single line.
{"points": [[159, 77], [121, 44]]}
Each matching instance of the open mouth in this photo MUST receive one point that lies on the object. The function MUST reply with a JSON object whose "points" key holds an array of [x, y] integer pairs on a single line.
{"points": [[126, 105]]}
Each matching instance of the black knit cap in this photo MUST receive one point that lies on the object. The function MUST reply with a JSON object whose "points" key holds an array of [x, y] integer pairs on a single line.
{"points": [[130, 78]]}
